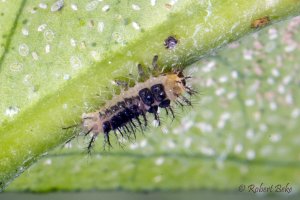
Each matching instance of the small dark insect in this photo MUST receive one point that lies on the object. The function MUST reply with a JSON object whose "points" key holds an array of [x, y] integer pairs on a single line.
{"points": [[170, 42]]}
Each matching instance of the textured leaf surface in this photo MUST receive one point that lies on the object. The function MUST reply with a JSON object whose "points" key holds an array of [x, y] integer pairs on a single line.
{"points": [[243, 129], [59, 57]]}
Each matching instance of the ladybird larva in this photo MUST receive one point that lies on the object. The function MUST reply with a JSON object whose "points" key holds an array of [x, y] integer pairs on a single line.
{"points": [[128, 111]]}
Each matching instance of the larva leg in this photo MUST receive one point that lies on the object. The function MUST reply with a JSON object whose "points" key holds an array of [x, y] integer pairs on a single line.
{"points": [[172, 112], [132, 128], [167, 112], [156, 117], [106, 140], [88, 132], [188, 102], [68, 127], [126, 128], [92, 140], [139, 122], [121, 132]]}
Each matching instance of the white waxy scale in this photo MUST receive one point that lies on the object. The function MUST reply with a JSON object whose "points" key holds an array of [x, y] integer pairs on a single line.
{"points": [[159, 161], [100, 27], [207, 150], [135, 7], [220, 91], [96, 55], [74, 7], [276, 137], [295, 113], [231, 95], [11, 111], [75, 62], [249, 102], [275, 72], [66, 76], [273, 105], [34, 55], [58, 5], [73, 42], [49, 35], [16, 67], [41, 27], [23, 49], [143, 143], [43, 6], [91, 5], [250, 134], [250, 154], [205, 127], [238, 148], [223, 79], [187, 142], [47, 48], [25, 31], [136, 26], [152, 2], [48, 162], [234, 74], [105, 8]]}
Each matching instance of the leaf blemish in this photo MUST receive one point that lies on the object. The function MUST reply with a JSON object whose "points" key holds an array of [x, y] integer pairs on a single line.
{"points": [[261, 22]]}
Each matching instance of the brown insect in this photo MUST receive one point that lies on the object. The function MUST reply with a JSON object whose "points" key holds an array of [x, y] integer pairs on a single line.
{"points": [[261, 22]]}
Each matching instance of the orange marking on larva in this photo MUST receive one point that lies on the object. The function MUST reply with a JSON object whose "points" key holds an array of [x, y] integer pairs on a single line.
{"points": [[128, 111], [261, 22]]}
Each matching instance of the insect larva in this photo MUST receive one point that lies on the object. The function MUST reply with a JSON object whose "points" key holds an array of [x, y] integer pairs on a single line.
{"points": [[128, 111]]}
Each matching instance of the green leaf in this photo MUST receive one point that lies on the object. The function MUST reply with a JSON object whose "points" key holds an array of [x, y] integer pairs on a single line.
{"points": [[240, 136], [53, 74]]}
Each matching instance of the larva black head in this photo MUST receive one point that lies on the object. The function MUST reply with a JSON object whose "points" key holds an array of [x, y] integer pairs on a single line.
{"points": [[180, 74], [146, 96], [183, 82], [158, 92]]}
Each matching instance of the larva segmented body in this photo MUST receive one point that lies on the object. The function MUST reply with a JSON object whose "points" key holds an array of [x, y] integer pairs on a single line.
{"points": [[127, 111]]}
